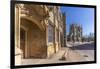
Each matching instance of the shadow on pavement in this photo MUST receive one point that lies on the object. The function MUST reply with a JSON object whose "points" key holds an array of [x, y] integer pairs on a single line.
{"points": [[83, 47]]}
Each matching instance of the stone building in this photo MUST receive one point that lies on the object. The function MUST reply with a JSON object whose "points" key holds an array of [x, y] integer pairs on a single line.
{"points": [[75, 33], [38, 31]]}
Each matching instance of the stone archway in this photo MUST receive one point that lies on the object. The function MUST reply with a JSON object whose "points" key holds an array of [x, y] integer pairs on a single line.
{"points": [[36, 41]]}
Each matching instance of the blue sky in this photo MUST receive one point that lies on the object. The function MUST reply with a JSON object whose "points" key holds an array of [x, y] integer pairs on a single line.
{"points": [[80, 15]]}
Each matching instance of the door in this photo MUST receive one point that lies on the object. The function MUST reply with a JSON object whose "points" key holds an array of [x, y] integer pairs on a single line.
{"points": [[22, 41]]}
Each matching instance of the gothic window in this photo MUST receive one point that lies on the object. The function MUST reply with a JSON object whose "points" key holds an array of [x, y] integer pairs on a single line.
{"points": [[50, 33]]}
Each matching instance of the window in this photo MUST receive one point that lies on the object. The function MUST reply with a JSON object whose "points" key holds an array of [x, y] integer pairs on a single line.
{"points": [[50, 33]]}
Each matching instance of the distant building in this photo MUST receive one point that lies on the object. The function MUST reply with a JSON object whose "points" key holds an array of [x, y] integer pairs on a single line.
{"points": [[64, 28], [39, 31], [75, 33]]}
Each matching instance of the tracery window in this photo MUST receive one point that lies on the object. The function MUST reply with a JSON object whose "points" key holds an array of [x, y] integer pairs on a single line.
{"points": [[50, 33]]}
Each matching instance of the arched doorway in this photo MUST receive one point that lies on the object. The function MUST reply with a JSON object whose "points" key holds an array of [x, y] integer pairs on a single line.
{"points": [[33, 44]]}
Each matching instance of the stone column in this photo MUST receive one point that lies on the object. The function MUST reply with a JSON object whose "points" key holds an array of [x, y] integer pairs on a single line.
{"points": [[18, 52], [46, 38]]}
